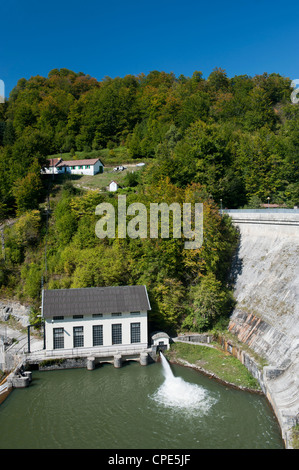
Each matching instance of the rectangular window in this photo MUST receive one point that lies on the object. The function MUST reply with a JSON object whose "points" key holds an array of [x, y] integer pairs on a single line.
{"points": [[58, 317], [135, 332], [135, 313], [58, 338], [97, 335], [78, 336], [116, 334], [96, 315], [116, 314], [75, 317]]}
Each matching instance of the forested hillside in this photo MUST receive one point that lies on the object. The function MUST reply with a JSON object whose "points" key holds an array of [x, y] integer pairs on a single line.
{"points": [[206, 140], [238, 137]]}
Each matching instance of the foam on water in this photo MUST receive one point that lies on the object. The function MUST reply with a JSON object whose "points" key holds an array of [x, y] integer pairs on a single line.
{"points": [[180, 395]]}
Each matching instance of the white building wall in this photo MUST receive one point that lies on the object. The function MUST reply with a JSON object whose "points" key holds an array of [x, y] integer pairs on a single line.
{"points": [[93, 170], [163, 340], [82, 171], [106, 320], [77, 170], [96, 167], [113, 186], [49, 171]]}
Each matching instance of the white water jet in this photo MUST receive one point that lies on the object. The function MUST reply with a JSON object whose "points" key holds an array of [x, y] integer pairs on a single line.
{"points": [[180, 395], [166, 367]]}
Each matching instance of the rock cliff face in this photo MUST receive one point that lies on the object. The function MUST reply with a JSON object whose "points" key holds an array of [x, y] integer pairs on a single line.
{"points": [[266, 317], [16, 309], [266, 340]]}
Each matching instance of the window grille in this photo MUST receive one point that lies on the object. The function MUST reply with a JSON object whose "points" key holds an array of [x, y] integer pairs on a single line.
{"points": [[78, 336], [97, 335], [58, 338], [135, 332], [116, 334]]}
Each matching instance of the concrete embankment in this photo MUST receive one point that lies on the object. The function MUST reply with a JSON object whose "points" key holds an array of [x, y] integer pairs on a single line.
{"points": [[266, 317]]}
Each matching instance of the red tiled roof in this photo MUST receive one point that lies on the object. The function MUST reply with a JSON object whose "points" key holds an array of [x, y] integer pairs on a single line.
{"points": [[53, 161], [90, 161]]}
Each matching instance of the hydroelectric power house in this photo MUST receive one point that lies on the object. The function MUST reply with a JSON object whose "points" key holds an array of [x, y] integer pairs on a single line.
{"points": [[102, 320]]}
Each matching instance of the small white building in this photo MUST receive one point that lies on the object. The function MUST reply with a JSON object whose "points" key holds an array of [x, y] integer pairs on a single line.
{"points": [[161, 340], [90, 166], [96, 318], [52, 166], [113, 186]]}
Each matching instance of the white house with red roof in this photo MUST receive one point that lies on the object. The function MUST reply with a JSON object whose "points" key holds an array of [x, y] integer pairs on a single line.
{"points": [[90, 166], [52, 166]]}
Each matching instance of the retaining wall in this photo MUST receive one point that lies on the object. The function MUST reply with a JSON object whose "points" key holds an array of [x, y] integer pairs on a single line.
{"points": [[265, 276]]}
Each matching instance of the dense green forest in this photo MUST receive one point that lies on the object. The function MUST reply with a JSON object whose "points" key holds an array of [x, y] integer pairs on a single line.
{"points": [[229, 139]]}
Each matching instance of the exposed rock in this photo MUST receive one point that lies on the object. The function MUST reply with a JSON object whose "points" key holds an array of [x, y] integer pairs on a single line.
{"points": [[266, 316], [16, 309]]}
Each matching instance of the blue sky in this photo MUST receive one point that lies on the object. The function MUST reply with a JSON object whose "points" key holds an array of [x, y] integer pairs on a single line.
{"points": [[117, 38]]}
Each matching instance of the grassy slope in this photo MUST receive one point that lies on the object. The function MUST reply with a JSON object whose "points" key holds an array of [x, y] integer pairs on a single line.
{"points": [[99, 181], [214, 361], [116, 156], [110, 158]]}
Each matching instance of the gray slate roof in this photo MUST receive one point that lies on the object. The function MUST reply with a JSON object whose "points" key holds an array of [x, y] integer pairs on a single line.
{"points": [[91, 300]]}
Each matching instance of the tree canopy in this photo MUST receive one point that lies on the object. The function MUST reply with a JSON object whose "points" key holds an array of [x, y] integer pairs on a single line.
{"points": [[213, 139]]}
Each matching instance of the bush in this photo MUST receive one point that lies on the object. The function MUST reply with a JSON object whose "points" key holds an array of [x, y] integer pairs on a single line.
{"points": [[31, 275], [209, 302]]}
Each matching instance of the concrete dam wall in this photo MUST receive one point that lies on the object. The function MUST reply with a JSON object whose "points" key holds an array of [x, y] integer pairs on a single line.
{"points": [[266, 316]]}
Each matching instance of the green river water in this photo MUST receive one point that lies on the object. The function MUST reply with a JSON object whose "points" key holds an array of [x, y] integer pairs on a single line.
{"points": [[134, 407]]}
